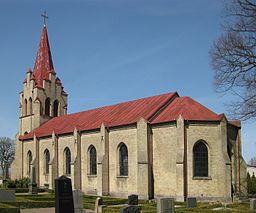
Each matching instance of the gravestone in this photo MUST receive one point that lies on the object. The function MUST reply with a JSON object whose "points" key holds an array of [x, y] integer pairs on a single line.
{"points": [[63, 195], [191, 202], [133, 199], [78, 201], [7, 196], [32, 185], [98, 205], [165, 205], [130, 209], [252, 204]]}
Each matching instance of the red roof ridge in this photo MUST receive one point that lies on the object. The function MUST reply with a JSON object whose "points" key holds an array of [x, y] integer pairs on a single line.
{"points": [[161, 108], [188, 108]]}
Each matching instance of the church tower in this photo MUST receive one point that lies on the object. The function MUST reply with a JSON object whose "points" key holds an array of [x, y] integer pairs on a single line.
{"points": [[42, 97]]}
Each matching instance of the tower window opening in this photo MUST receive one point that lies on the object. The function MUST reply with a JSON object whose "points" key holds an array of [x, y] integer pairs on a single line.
{"points": [[55, 108], [47, 106]]}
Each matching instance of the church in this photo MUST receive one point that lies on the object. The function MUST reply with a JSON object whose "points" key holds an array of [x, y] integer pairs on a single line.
{"points": [[159, 146]]}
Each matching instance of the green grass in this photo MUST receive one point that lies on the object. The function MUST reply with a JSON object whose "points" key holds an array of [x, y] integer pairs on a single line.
{"points": [[48, 200]]}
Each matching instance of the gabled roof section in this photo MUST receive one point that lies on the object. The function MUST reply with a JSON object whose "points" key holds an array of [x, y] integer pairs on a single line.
{"points": [[188, 108], [115, 115], [43, 64], [235, 123]]}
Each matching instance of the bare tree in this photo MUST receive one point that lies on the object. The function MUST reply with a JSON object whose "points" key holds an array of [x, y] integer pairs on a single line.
{"points": [[233, 58], [6, 155]]}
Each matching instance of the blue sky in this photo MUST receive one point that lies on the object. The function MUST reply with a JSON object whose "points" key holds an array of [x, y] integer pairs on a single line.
{"points": [[109, 51]]}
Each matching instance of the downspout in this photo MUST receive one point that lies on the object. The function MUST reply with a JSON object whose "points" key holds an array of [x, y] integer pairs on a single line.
{"points": [[22, 158], [80, 158], [57, 156], [150, 164], [239, 162], [185, 162]]}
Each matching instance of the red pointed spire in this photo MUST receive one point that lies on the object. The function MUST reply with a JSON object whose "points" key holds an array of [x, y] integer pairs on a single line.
{"points": [[43, 64]]}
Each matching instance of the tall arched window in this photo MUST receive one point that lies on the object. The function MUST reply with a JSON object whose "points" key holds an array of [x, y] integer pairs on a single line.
{"points": [[29, 162], [30, 106], [200, 153], [55, 108], [123, 160], [46, 161], [25, 107], [67, 161], [93, 160], [47, 106]]}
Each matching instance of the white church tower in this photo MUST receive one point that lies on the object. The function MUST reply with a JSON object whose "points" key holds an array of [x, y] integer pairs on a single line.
{"points": [[42, 97]]}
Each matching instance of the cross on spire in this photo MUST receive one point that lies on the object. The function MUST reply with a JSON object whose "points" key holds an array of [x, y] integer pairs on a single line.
{"points": [[45, 17]]}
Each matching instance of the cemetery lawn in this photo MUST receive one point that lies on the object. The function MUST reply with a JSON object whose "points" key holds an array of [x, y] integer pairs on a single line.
{"points": [[113, 205]]}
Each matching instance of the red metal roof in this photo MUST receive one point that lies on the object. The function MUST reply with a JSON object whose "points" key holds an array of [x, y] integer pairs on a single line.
{"points": [[188, 108], [116, 115], [43, 64]]}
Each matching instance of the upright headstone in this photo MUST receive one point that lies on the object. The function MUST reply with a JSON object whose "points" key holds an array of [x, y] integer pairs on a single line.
{"points": [[98, 205], [165, 205], [130, 209], [78, 200], [253, 204], [133, 199], [63, 195], [7, 196], [191, 202], [32, 185]]}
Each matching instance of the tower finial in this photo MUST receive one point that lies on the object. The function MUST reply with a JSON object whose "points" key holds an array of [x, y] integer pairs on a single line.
{"points": [[45, 17]]}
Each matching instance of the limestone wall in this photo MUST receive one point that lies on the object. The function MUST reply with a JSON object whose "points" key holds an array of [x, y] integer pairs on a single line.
{"points": [[45, 143], [17, 164], [123, 185], [164, 160], [63, 142], [90, 183], [215, 185], [28, 146], [168, 158]]}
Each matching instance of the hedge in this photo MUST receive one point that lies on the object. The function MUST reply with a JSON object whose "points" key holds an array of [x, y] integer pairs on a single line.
{"points": [[24, 190]]}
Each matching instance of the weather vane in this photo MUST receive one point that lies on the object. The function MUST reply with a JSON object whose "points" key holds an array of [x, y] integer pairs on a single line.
{"points": [[45, 17]]}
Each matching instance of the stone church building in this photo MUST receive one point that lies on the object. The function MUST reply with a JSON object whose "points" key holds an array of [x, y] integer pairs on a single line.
{"points": [[164, 145]]}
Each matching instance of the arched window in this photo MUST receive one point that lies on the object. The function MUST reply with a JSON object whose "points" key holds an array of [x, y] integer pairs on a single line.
{"points": [[46, 161], [200, 153], [55, 108], [67, 161], [29, 162], [93, 160], [25, 107], [47, 106], [30, 106], [123, 160]]}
